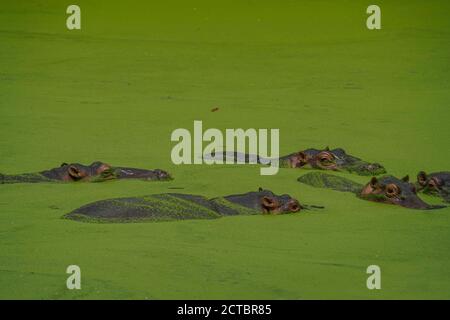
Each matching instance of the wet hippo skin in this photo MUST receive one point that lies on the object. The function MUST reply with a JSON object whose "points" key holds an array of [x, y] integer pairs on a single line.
{"points": [[95, 172], [175, 206], [436, 183], [387, 189], [335, 160], [322, 159]]}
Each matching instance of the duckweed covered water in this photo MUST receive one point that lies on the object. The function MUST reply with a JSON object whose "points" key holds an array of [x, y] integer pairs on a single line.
{"points": [[115, 90]]}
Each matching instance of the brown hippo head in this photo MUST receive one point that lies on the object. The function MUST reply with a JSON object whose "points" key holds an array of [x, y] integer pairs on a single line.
{"points": [[437, 183], [336, 159], [100, 171], [78, 172], [266, 201], [389, 189]]}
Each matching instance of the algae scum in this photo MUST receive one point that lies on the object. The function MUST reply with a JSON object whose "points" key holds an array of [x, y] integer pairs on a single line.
{"points": [[324, 180], [160, 207], [137, 70]]}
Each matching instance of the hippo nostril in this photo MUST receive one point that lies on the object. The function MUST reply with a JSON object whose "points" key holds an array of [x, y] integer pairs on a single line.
{"points": [[433, 184], [294, 207], [374, 168], [162, 174]]}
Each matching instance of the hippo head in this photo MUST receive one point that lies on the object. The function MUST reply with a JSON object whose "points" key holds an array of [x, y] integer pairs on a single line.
{"points": [[79, 172], [336, 159], [434, 183], [273, 204], [267, 202], [389, 189], [100, 171]]}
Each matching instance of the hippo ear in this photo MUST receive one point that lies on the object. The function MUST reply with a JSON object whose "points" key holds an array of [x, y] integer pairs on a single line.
{"points": [[303, 157], [373, 181], [260, 189], [422, 178], [75, 173], [268, 203], [405, 178]]}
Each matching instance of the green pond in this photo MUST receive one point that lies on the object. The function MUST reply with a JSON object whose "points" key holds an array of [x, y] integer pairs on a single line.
{"points": [[116, 89]]}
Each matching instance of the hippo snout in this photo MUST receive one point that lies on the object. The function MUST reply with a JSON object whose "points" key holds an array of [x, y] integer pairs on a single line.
{"points": [[127, 173], [162, 175], [373, 169], [290, 206]]}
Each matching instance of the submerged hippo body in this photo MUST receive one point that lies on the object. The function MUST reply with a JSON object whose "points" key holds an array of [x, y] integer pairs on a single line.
{"points": [[174, 206], [324, 159], [436, 183], [387, 189], [95, 172]]}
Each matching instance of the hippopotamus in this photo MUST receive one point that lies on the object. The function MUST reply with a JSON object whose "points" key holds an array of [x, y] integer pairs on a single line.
{"points": [[95, 172], [176, 206], [323, 159], [335, 159], [436, 183], [387, 189]]}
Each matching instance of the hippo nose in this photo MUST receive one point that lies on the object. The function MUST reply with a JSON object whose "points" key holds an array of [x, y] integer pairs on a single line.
{"points": [[161, 174], [375, 167], [293, 206]]}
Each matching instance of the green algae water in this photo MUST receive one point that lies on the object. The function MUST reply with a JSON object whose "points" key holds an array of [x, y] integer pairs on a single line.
{"points": [[116, 89]]}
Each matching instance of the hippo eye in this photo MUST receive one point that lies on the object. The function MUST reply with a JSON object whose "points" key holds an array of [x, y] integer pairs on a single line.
{"points": [[76, 173], [325, 158], [106, 173], [104, 168], [301, 159], [392, 190]]}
